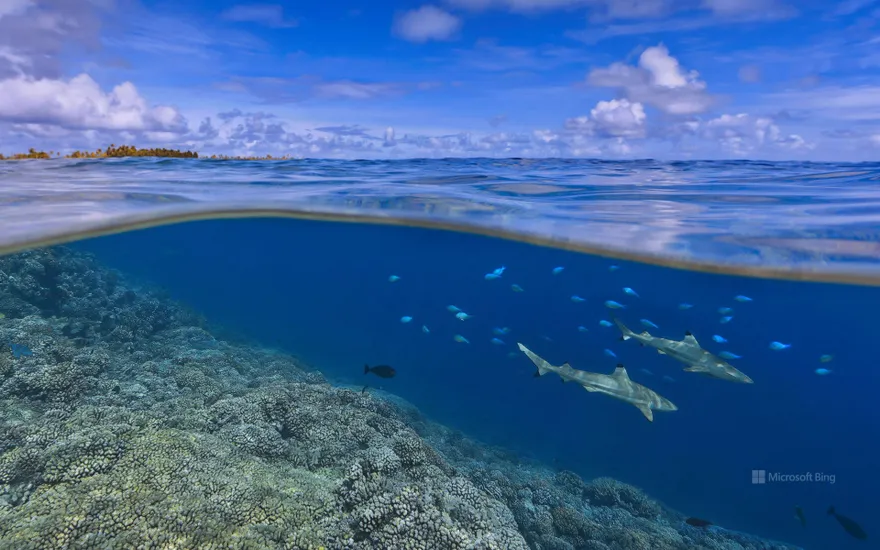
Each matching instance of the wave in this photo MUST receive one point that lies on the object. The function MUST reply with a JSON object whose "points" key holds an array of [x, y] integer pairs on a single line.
{"points": [[796, 221]]}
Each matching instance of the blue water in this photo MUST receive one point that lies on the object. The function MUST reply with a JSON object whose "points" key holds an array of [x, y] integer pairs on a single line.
{"points": [[320, 290]]}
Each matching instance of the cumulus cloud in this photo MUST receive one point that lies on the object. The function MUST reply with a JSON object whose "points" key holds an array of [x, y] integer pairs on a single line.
{"points": [[744, 134], [618, 118], [658, 80], [426, 23], [80, 103]]}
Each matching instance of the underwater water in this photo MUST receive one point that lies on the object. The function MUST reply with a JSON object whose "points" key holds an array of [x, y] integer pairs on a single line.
{"points": [[215, 331]]}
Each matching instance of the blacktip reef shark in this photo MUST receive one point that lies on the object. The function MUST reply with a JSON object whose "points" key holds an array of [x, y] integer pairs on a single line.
{"points": [[616, 384], [689, 352]]}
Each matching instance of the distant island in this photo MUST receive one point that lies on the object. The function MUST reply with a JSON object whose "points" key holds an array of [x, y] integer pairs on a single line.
{"points": [[121, 151]]}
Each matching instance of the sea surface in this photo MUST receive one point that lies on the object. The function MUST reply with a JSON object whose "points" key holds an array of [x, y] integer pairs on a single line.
{"points": [[345, 263]]}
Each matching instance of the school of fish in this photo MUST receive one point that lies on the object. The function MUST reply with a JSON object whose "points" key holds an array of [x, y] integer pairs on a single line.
{"points": [[618, 384]]}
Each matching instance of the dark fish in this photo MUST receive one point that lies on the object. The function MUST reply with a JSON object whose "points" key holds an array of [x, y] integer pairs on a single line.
{"points": [[848, 525], [697, 522], [799, 514], [382, 371]]}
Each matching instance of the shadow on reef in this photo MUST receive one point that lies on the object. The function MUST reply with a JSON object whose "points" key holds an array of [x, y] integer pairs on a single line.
{"points": [[131, 426]]}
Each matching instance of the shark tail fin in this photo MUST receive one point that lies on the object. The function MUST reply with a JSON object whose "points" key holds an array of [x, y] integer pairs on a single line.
{"points": [[626, 333]]}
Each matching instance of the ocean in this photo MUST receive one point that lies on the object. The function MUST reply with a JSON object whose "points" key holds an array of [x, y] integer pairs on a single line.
{"points": [[190, 276]]}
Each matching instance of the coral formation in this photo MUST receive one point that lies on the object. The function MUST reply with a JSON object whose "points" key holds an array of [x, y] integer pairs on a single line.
{"points": [[131, 426]]}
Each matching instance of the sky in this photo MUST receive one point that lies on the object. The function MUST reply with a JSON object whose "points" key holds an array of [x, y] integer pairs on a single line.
{"points": [[665, 79]]}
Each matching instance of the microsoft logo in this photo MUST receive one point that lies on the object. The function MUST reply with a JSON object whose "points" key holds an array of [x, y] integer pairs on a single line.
{"points": [[762, 477]]}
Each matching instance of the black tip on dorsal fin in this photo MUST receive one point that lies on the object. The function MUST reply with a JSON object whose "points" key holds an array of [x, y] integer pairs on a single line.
{"points": [[620, 365], [688, 333]]}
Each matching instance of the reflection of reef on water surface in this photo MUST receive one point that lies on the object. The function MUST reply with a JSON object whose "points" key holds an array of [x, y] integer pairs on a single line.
{"points": [[130, 425]]}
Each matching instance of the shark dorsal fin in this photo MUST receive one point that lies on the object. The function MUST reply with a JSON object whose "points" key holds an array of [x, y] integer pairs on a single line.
{"points": [[689, 339], [620, 373]]}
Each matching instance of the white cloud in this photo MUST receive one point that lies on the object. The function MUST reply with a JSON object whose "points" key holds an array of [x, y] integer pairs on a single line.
{"points": [[837, 103], [79, 103], [14, 7], [618, 118], [744, 134], [658, 80], [425, 24]]}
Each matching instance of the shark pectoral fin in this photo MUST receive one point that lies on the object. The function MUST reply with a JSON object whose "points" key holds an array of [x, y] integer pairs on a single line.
{"points": [[661, 352], [649, 414]]}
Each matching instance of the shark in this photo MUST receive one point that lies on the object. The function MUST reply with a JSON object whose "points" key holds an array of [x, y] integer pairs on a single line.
{"points": [[616, 384], [688, 351]]}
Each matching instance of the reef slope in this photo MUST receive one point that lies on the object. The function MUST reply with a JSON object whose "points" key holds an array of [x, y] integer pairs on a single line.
{"points": [[125, 423]]}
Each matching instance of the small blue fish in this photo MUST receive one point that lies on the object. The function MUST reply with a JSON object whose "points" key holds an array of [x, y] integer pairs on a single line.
{"points": [[557, 270], [611, 304], [613, 267], [826, 358], [545, 337], [582, 328], [742, 298], [646, 371], [20, 350], [393, 279], [719, 339], [610, 353], [683, 306], [648, 323], [425, 329], [725, 310], [462, 316], [823, 372], [498, 270], [405, 319], [498, 341], [667, 378], [778, 346], [631, 292], [452, 309], [725, 320], [491, 276], [728, 355], [460, 339], [516, 288], [576, 299], [500, 331], [604, 323]]}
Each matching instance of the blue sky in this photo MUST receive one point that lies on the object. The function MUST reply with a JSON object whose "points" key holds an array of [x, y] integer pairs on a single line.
{"points": [[770, 79]]}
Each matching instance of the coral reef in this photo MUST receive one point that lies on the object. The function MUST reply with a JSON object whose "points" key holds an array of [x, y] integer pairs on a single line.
{"points": [[131, 426]]}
